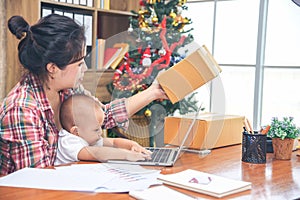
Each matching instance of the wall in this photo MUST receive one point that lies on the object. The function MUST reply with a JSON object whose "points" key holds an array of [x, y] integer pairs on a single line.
{"points": [[2, 48]]}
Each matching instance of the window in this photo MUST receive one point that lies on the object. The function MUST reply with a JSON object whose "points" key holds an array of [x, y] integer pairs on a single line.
{"points": [[283, 34], [282, 64], [229, 29], [281, 95], [236, 31]]}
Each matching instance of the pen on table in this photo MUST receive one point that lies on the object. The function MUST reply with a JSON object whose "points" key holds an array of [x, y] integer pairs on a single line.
{"points": [[249, 125], [265, 131], [246, 127]]}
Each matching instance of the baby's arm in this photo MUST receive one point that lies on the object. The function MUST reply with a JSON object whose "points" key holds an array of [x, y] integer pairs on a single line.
{"points": [[97, 153]]}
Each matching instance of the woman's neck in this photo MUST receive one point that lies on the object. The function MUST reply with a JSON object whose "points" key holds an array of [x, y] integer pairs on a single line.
{"points": [[55, 101]]}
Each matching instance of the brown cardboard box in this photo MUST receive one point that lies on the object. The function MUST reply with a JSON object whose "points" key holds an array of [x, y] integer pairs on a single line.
{"points": [[209, 131], [189, 74]]}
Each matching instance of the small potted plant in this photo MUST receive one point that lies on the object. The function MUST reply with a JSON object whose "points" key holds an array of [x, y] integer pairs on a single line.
{"points": [[283, 133]]}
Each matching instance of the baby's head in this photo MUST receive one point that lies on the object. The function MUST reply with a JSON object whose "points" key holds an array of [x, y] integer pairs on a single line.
{"points": [[83, 116]]}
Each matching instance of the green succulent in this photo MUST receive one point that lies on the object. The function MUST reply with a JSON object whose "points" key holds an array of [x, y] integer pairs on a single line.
{"points": [[285, 128]]}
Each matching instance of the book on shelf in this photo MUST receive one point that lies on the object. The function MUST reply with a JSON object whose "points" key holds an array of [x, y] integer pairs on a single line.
{"points": [[105, 4], [88, 24], [109, 57], [100, 48], [83, 2], [205, 183], [59, 12], [124, 49], [46, 11], [78, 2], [69, 14], [90, 3]]}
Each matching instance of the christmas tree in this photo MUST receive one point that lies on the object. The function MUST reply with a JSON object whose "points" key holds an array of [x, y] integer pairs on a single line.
{"points": [[158, 32]]}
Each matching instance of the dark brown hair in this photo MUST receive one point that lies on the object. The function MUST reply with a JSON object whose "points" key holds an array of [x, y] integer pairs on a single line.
{"points": [[53, 39]]}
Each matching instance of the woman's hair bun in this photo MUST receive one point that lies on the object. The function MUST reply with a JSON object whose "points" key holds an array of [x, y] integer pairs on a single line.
{"points": [[18, 26]]}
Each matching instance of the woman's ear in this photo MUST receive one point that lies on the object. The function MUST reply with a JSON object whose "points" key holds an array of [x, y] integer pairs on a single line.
{"points": [[74, 130], [52, 69]]}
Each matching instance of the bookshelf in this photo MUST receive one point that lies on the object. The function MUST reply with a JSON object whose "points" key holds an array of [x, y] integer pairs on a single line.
{"points": [[102, 23]]}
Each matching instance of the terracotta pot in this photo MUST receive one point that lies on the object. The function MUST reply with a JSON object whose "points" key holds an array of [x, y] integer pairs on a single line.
{"points": [[282, 148]]}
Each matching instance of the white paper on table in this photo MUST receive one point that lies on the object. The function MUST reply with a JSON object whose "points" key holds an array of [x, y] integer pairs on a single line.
{"points": [[54, 179], [129, 177], [84, 177]]}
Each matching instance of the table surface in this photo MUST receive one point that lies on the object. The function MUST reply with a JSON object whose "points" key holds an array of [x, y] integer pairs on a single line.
{"points": [[276, 179]]}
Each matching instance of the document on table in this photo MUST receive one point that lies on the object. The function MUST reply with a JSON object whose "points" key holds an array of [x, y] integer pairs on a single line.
{"points": [[84, 177], [205, 183]]}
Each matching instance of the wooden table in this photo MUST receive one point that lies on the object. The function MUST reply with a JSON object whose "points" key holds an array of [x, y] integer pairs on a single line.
{"points": [[276, 179]]}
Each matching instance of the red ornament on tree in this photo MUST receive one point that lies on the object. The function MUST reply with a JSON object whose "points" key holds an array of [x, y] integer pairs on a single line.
{"points": [[142, 3]]}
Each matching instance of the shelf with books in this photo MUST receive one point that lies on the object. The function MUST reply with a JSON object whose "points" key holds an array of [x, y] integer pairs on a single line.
{"points": [[89, 3], [70, 5]]}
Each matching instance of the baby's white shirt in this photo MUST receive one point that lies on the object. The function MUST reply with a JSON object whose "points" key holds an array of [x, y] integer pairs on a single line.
{"points": [[69, 146]]}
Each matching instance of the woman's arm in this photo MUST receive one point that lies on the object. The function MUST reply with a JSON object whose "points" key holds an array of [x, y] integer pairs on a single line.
{"points": [[140, 100]]}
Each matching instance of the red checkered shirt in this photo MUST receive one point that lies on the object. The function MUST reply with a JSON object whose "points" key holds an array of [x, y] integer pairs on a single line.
{"points": [[28, 135]]}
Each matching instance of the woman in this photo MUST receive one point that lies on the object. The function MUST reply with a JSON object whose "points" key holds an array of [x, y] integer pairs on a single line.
{"points": [[53, 52]]}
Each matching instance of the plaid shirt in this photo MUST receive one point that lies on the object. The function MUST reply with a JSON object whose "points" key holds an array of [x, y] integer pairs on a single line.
{"points": [[28, 135]]}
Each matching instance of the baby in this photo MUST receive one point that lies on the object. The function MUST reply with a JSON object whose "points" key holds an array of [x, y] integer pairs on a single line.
{"points": [[81, 117]]}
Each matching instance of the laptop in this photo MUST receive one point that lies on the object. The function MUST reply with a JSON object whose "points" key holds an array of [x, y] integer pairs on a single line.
{"points": [[162, 156]]}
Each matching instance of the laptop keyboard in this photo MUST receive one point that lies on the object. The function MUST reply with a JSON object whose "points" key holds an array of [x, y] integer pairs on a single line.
{"points": [[159, 155]]}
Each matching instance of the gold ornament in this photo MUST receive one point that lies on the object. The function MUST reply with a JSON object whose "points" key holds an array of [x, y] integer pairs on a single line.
{"points": [[148, 113], [142, 12], [181, 2], [151, 1], [143, 24], [181, 28], [173, 15], [154, 19], [179, 18]]}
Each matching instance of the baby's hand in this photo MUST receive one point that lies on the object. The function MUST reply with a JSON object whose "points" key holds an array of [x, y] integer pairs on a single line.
{"points": [[135, 156], [139, 149]]}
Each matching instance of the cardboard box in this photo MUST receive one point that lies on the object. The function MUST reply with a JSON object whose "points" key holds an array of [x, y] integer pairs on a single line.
{"points": [[189, 74], [209, 131]]}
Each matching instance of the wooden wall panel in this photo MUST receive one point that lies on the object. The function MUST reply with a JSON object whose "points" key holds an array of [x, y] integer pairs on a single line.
{"points": [[30, 10]]}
